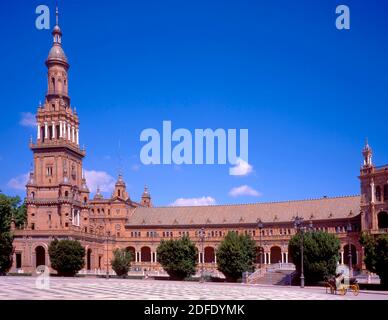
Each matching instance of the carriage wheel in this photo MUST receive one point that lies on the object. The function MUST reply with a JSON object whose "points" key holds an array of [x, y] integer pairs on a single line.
{"points": [[356, 289], [342, 291]]}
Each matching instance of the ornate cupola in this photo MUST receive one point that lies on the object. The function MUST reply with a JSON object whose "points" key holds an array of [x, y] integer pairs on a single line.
{"points": [[146, 198], [58, 66], [120, 189], [367, 154]]}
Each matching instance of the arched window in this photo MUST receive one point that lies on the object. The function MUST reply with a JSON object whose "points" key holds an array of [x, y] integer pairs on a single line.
{"points": [[118, 192], [40, 256], [209, 255], [145, 253], [66, 194], [276, 254], [378, 194], [382, 219], [53, 83], [386, 192], [32, 194]]}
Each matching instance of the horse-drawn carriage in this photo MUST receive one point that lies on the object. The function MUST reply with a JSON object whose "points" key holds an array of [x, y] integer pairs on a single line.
{"points": [[342, 285]]}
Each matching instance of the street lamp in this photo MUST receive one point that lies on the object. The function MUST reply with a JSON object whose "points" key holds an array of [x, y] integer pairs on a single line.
{"points": [[298, 226], [260, 226], [107, 259], [202, 237], [349, 230]]}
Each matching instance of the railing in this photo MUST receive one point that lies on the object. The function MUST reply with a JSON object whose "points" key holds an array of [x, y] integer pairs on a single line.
{"points": [[259, 273], [382, 230], [280, 266]]}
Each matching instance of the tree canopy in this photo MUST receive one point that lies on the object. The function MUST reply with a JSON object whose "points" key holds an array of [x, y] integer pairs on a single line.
{"points": [[320, 255], [376, 255], [178, 257], [121, 261], [66, 256], [236, 254]]}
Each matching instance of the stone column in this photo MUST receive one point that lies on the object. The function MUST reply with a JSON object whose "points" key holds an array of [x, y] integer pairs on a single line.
{"points": [[60, 129], [38, 132], [265, 257], [282, 257], [77, 136], [286, 257], [53, 124], [68, 132], [342, 257], [73, 134], [45, 130], [269, 257]]}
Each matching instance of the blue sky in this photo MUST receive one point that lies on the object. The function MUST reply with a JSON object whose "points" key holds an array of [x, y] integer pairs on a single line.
{"points": [[308, 93]]}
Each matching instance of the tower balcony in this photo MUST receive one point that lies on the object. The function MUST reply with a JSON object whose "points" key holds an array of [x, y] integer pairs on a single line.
{"points": [[55, 144]]}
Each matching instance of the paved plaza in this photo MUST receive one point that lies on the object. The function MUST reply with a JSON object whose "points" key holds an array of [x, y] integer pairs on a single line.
{"points": [[27, 288]]}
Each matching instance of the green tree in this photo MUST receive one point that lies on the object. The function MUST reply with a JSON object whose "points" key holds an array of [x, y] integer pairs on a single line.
{"points": [[236, 254], [320, 255], [6, 252], [376, 255], [121, 261], [66, 256], [370, 257], [11, 207], [178, 257], [6, 238]]}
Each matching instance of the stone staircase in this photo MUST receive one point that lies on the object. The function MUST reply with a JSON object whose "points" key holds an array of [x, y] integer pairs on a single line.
{"points": [[274, 275]]}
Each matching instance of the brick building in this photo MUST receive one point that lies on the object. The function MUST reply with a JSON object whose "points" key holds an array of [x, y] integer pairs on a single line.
{"points": [[59, 204]]}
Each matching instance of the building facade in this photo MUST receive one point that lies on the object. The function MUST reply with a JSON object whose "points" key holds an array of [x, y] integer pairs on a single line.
{"points": [[59, 204]]}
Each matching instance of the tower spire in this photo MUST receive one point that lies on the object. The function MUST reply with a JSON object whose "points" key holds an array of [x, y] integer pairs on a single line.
{"points": [[56, 15], [367, 153]]}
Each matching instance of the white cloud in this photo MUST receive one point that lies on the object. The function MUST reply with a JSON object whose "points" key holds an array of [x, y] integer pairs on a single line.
{"points": [[19, 182], [101, 179], [242, 168], [203, 201], [244, 191], [28, 119]]}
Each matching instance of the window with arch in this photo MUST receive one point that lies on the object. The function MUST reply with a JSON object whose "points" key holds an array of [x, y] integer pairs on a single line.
{"points": [[119, 192], [66, 194], [378, 194], [386, 192], [53, 83]]}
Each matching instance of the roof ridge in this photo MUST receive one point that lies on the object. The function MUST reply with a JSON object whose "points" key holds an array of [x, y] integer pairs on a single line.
{"points": [[259, 203]]}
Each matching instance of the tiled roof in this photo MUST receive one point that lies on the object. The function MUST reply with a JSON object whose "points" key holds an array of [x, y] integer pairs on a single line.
{"points": [[316, 209]]}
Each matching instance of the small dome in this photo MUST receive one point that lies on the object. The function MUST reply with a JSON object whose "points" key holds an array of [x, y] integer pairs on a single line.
{"points": [[98, 195], [56, 54], [57, 29], [120, 181]]}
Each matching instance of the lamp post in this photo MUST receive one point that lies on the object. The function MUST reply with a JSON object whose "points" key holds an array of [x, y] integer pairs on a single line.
{"points": [[107, 259], [349, 230], [299, 228], [260, 226], [202, 237]]}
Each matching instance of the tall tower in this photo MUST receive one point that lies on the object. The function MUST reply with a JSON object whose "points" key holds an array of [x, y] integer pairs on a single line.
{"points": [[368, 219], [56, 191]]}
